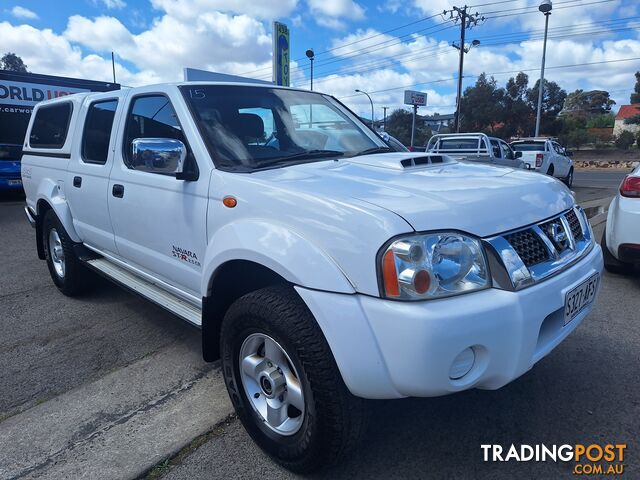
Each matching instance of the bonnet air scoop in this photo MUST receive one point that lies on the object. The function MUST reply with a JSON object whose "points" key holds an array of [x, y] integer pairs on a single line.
{"points": [[403, 160]]}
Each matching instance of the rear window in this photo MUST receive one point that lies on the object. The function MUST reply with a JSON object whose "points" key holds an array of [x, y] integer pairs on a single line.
{"points": [[97, 131], [459, 144], [528, 147], [50, 126]]}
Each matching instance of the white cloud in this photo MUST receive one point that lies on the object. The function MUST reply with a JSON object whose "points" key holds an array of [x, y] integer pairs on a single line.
{"points": [[114, 4], [100, 34], [268, 10], [333, 13], [21, 12]]}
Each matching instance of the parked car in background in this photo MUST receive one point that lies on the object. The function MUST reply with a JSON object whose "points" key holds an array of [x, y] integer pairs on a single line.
{"points": [[621, 237], [546, 155], [393, 142], [475, 147]]}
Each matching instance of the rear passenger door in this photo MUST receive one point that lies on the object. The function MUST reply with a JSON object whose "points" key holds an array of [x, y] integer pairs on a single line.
{"points": [[88, 173]]}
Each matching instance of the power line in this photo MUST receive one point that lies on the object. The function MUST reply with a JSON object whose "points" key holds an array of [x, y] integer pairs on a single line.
{"points": [[514, 36], [502, 73]]}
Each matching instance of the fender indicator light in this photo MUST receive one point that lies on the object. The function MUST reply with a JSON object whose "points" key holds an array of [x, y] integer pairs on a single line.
{"points": [[229, 202], [390, 275]]}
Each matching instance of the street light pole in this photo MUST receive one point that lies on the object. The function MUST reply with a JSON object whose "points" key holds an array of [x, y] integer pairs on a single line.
{"points": [[384, 119], [310, 56], [545, 7], [360, 91]]}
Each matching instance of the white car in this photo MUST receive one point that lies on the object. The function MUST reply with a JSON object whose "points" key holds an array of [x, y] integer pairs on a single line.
{"points": [[545, 155], [322, 268], [621, 238]]}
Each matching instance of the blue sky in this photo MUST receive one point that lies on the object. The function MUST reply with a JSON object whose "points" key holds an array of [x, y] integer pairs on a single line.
{"points": [[154, 39]]}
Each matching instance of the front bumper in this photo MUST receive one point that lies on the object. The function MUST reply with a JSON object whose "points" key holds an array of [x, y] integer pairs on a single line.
{"points": [[391, 349]]}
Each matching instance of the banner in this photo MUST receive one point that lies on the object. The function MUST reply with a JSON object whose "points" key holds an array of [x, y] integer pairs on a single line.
{"points": [[281, 56], [25, 94]]}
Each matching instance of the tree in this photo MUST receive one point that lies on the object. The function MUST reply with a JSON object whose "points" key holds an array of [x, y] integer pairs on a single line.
{"points": [[625, 140], [399, 126], [482, 106], [11, 61], [518, 116], [635, 96], [553, 98], [586, 104], [605, 120]]}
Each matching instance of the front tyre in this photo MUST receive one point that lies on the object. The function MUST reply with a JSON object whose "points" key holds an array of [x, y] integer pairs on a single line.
{"points": [[67, 272], [284, 382]]}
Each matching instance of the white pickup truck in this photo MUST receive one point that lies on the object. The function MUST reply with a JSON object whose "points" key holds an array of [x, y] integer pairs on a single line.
{"points": [[322, 269], [476, 147], [545, 155]]}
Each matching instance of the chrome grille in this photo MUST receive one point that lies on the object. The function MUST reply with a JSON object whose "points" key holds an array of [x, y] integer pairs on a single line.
{"points": [[529, 247], [574, 224], [533, 253]]}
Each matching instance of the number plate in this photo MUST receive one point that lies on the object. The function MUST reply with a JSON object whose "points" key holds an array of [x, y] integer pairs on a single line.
{"points": [[581, 296], [14, 182]]}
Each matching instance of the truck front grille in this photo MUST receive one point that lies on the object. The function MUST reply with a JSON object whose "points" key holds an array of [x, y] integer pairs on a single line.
{"points": [[534, 253]]}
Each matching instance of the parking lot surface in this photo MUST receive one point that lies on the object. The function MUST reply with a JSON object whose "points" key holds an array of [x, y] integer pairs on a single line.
{"points": [[52, 347]]}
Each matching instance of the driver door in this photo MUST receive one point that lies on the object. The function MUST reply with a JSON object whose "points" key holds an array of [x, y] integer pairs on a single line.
{"points": [[159, 221]]}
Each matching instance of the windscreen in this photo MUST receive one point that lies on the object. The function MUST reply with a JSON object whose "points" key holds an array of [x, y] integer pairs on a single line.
{"points": [[256, 127], [528, 146]]}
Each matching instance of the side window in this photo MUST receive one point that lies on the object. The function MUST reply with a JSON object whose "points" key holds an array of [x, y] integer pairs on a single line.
{"points": [[50, 126], [496, 148], [97, 131], [558, 149], [150, 116], [483, 146]]}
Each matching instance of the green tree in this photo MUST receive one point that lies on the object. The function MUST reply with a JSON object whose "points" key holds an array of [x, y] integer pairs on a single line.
{"points": [[586, 104], [577, 138], [399, 125], [11, 61], [635, 96], [482, 106], [518, 116], [605, 120], [625, 140]]}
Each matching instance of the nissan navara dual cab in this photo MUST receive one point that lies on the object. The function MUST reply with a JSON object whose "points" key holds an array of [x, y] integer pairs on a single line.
{"points": [[323, 268]]}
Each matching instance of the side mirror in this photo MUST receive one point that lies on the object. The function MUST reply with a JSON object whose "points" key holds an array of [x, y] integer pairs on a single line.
{"points": [[158, 155], [518, 154]]}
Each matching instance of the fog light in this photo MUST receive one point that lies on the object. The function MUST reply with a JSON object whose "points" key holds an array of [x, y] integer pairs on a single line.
{"points": [[462, 364]]}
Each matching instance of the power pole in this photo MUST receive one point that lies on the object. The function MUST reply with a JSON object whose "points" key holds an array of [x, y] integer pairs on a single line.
{"points": [[384, 119], [466, 21]]}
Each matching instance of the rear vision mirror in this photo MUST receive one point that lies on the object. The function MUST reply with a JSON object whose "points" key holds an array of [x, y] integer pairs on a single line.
{"points": [[158, 155], [518, 154]]}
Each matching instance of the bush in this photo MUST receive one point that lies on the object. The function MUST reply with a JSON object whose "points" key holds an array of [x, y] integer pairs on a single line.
{"points": [[625, 140], [638, 139], [577, 138]]}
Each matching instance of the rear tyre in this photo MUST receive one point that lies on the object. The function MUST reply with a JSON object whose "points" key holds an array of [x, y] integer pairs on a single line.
{"points": [[284, 382], [569, 178], [611, 263], [68, 273], [550, 170]]}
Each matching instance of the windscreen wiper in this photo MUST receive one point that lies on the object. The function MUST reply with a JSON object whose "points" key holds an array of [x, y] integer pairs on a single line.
{"points": [[369, 151], [307, 154]]}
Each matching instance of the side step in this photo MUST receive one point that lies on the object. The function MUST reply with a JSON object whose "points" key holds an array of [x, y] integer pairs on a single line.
{"points": [[148, 290]]}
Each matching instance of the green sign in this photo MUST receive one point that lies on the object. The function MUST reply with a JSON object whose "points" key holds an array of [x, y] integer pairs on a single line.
{"points": [[281, 56]]}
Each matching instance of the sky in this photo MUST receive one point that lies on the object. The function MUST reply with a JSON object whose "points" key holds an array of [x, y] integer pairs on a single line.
{"points": [[379, 46]]}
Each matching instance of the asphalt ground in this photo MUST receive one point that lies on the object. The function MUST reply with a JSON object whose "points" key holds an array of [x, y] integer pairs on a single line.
{"points": [[586, 391]]}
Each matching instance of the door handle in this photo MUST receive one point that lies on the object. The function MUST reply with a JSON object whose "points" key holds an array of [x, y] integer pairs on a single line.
{"points": [[118, 190], [77, 182]]}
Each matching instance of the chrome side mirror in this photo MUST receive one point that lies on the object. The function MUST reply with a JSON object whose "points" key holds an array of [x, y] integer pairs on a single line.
{"points": [[158, 155]]}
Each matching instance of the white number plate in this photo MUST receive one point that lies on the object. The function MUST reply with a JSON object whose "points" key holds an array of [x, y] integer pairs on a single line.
{"points": [[580, 297], [14, 182]]}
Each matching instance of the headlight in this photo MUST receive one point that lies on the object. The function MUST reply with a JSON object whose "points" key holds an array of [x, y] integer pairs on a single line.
{"points": [[433, 265]]}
